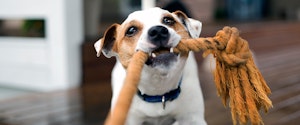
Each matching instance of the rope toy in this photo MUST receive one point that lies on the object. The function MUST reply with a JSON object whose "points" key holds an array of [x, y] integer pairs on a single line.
{"points": [[236, 77]]}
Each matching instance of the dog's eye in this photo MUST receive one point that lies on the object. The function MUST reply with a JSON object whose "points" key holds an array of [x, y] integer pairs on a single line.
{"points": [[168, 21], [131, 31]]}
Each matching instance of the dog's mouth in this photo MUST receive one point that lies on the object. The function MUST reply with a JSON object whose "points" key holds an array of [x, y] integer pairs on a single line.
{"points": [[162, 56]]}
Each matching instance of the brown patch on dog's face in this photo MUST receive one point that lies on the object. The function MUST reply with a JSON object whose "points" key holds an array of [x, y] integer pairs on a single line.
{"points": [[127, 41], [177, 25]]}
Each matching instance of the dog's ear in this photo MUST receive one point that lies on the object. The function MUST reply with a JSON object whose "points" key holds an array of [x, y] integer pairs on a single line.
{"points": [[193, 26], [106, 43]]}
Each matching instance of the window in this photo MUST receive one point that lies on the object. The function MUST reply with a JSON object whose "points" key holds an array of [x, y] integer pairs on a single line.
{"points": [[22, 27]]}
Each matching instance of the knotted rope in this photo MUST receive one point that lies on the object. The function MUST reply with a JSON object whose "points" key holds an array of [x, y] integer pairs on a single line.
{"points": [[236, 77]]}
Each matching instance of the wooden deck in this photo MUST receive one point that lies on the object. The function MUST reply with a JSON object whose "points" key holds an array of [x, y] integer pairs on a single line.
{"points": [[277, 49]]}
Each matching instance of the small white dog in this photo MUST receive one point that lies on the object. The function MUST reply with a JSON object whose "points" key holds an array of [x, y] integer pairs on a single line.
{"points": [[169, 91]]}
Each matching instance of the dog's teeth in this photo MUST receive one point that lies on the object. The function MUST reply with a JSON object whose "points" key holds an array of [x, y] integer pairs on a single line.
{"points": [[150, 54], [171, 50], [153, 55]]}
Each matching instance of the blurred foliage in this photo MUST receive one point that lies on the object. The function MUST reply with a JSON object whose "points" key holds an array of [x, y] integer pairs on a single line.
{"points": [[34, 28]]}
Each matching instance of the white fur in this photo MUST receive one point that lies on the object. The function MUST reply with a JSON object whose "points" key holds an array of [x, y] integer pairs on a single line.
{"points": [[98, 46], [188, 108]]}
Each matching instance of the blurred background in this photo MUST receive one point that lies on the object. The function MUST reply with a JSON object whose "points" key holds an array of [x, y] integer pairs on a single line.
{"points": [[50, 75]]}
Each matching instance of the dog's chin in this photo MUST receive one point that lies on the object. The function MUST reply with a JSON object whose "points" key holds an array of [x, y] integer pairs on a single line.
{"points": [[162, 57]]}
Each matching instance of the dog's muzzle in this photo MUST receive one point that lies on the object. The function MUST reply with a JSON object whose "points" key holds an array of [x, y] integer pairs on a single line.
{"points": [[163, 53]]}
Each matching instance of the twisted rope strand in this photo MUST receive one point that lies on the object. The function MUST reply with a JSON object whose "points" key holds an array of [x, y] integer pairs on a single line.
{"points": [[119, 114]]}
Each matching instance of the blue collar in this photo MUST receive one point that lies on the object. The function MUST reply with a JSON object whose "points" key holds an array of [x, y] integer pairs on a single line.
{"points": [[169, 96]]}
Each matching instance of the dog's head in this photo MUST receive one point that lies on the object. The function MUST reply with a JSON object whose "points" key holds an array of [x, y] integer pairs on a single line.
{"points": [[154, 31]]}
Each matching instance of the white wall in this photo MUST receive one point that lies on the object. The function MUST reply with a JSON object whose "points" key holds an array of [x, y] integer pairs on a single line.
{"points": [[43, 64]]}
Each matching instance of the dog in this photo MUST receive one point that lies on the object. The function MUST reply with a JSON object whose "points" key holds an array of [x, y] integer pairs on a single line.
{"points": [[169, 90]]}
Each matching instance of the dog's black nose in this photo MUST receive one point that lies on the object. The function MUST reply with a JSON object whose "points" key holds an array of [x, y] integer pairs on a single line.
{"points": [[159, 35]]}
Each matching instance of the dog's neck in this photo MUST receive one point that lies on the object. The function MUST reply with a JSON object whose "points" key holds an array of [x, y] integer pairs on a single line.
{"points": [[154, 82], [159, 86]]}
